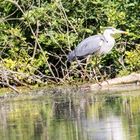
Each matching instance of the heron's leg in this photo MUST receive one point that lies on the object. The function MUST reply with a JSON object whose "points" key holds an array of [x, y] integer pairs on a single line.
{"points": [[97, 61], [101, 74], [95, 75], [92, 71], [80, 65], [87, 71], [96, 70], [78, 62], [121, 61], [87, 61], [84, 67]]}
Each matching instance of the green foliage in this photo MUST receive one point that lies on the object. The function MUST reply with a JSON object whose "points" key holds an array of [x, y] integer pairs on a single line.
{"points": [[133, 59], [37, 36]]}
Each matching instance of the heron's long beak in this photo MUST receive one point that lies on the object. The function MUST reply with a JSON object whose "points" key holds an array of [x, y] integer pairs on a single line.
{"points": [[121, 32]]}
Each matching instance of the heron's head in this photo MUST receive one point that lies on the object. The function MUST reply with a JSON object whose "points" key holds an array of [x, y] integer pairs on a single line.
{"points": [[112, 31]]}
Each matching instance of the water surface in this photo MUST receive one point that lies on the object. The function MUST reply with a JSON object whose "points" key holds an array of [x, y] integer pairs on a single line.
{"points": [[88, 116]]}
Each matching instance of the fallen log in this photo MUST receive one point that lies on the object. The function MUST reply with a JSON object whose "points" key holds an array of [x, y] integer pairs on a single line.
{"points": [[131, 81]]}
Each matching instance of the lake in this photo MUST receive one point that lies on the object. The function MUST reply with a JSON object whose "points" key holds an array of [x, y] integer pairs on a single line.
{"points": [[86, 116]]}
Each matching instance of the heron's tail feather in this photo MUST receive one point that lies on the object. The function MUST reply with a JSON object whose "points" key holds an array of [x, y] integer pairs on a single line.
{"points": [[71, 56]]}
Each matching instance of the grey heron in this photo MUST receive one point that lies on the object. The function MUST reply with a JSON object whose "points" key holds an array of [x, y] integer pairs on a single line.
{"points": [[96, 44]]}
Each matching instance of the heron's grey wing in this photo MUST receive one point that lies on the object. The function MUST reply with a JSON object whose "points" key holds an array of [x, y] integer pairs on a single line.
{"points": [[89, 46]]}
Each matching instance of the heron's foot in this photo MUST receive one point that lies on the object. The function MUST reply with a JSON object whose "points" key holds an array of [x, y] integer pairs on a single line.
{"points": [[100, 85], [106, 81]]}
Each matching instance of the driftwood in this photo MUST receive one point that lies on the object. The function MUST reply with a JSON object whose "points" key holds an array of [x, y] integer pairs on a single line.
{"points": [[126, 82]]}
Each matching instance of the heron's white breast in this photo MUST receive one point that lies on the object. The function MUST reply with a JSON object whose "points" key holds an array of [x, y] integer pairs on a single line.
{"points": [[106, 46]]}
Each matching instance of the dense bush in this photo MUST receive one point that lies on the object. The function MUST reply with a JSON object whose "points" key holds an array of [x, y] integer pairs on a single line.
{"points": [[35, 37]]}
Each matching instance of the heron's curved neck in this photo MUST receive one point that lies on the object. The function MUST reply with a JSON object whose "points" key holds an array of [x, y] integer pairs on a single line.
{"points": [[108, 36]]}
